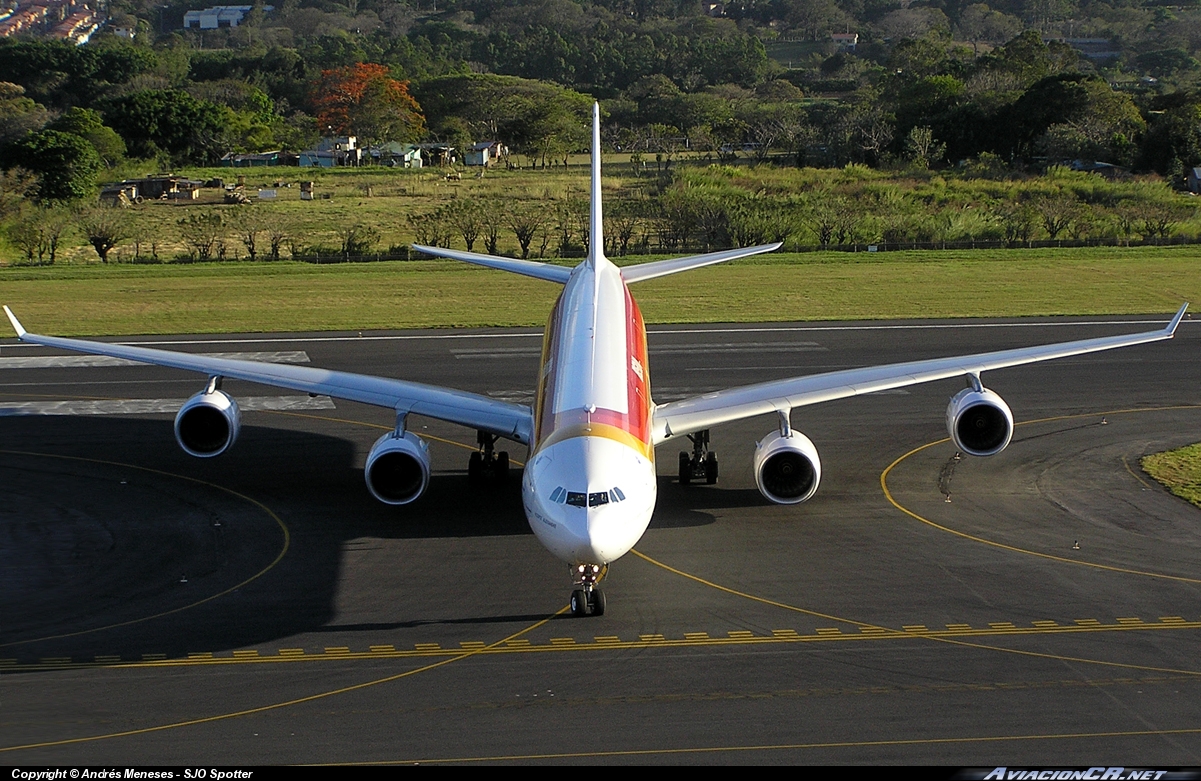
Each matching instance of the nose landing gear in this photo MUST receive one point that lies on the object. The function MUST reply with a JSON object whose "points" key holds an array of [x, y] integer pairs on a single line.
{"points": [[588, 600]]}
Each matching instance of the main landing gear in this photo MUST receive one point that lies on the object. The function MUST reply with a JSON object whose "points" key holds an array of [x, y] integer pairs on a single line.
{"points": [[702, 464], [588, 600], [485, 463]]}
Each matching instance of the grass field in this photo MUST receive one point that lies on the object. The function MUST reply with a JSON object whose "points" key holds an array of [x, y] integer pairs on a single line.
{"points": [[1178, 470], [288, 296]]}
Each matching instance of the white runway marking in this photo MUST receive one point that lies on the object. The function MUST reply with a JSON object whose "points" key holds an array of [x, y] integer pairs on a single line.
{"points": [[78, 361], [154, 406]]}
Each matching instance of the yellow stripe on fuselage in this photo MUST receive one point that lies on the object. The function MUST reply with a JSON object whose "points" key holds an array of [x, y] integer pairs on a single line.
{"points": [[599, 430]]}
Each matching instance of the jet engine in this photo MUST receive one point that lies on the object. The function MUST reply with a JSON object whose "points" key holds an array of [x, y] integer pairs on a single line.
{"points": [[208, 424], [787, 468], [979, 422], [398, 468]]}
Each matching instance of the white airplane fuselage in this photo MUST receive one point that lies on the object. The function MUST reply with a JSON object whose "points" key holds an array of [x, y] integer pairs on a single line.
{"points": [[589, 485]]}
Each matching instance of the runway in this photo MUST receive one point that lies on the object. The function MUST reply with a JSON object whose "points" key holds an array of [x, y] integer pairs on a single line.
{"points": [[262, 608]]}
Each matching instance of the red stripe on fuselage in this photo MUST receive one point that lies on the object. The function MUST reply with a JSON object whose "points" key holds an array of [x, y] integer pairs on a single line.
{"points": [[636, 422]]}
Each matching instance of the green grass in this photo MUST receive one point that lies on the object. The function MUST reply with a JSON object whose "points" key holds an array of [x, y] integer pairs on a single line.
{"points": [[287, 296], [1178, 470]]}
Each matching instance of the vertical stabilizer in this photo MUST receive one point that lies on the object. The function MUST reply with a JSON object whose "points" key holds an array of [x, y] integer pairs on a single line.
{"points": [[596, 230]]}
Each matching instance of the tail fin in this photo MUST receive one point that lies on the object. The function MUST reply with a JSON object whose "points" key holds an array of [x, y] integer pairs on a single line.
{"points": [[596, 228]]}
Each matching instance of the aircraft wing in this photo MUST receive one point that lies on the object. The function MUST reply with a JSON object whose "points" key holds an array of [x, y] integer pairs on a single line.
{"points": [[701, 412], [513, 421]]}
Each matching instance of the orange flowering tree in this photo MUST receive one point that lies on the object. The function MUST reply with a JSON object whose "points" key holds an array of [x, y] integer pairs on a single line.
{"points": [[364, 100]]}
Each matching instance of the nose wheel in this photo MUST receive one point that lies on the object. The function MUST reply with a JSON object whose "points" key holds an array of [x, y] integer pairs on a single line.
{"points": [[587, 603], [588, 600]]}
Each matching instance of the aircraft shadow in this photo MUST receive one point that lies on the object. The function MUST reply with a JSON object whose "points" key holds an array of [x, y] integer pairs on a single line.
{"points": [[105, 522]]}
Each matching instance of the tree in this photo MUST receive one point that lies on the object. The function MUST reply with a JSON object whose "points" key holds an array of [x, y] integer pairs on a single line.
{"points": [[203, 233], [466, 218], [104, 229], [169, 121], [525, 221], [923, 148], [364, 100], [249, 224], [16, 185], [357, 239], [88, 125], [978, 23], [66, 165], [39, 232]]}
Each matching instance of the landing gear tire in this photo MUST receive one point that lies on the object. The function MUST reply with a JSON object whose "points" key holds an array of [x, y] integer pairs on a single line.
{"points": [[475, 467], [596, 601], [502, 466], [685, 468], [711, 468], [579, 603]]}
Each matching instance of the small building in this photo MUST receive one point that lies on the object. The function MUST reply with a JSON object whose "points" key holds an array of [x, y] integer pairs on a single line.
{"points": [[845, 41], [156, 187], [1193, 180], [396, 155], [485, 153], [255, 159], [438, 154], [218, 16], [1104, 170], [119, 194], [331, 152]]}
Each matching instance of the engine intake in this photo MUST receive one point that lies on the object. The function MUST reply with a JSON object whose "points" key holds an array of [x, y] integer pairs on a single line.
{"points": [[979, 422], [398, 468], [208, 424], [787, 468]]}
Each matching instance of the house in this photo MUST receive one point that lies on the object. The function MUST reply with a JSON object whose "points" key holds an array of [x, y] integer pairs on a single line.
{"points": [[845, 41], [219, 16], [331, 152], [438, 154], [396, 155], [485, 153]]}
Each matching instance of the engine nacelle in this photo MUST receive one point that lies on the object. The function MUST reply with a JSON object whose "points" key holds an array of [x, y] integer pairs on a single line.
{"points": [[979, 422], [398, 468], [787, 469], [208, 424]]}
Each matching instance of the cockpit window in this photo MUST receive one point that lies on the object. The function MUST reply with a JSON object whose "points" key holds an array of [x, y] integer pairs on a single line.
{"points": [[599, 498], [618, 496], [577, 499], [558, 494]]}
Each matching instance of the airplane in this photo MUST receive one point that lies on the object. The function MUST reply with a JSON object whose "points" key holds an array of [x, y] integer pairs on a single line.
{"points": [[589, 485]]}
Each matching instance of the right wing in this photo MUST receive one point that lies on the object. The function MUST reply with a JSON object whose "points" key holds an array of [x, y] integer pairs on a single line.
{"points": [[512, 421], [701, 412]]}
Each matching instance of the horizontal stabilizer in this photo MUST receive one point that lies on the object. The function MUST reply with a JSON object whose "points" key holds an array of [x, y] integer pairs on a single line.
{"points": [[528, 268], [661, 268]]}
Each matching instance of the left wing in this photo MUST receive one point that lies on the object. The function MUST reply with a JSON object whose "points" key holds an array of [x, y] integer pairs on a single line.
{"points": [[701, 412], [512, 421]]}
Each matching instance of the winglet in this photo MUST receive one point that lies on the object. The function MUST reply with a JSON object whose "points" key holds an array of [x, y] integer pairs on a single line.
{"points": [[20, 329], [1171, 329]]}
